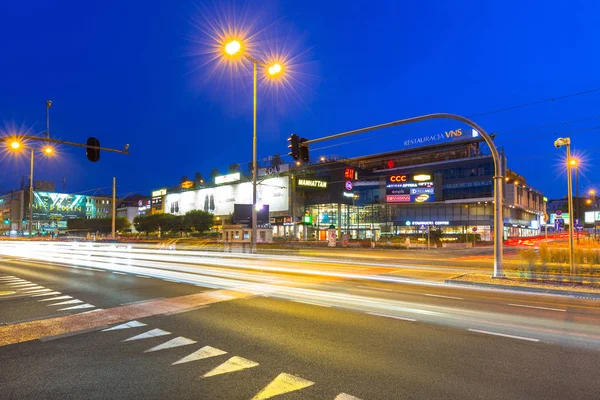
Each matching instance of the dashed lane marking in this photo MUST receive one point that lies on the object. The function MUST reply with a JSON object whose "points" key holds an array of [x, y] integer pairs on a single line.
{"points": [[79, 307], [142, 276], [74, 301], [33, 330], [505, 335], [119, 273], [57, 298], [205, 352], [150, 334], [283, 383], [31, 288], [443, 297], [130, 324], [392, 316], [37, 291], [178, 341], [538, 308], [344, 396], [46, 294], [232, 365]]}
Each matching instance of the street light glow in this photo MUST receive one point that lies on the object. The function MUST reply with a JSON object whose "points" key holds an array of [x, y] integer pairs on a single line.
{"points": [[274, 69], [15, 145], [48, 150], [592, 192], [573, 162], [233, 47]]}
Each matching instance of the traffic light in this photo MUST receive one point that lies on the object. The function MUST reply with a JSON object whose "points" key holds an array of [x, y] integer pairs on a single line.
{"points": [[303, 150], [6, 221], [92, 151], [294, 146]]}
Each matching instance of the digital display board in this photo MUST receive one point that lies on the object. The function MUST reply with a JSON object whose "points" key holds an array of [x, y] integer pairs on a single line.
{"points": [[47, 205], [402, 188]]}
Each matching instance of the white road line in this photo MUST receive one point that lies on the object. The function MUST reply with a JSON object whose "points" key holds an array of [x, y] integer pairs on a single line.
{"points": [[77, 307], [393, 316], [171, 280], [88, 268], [505, 335], [57, 298], [142, 276], [74, 301], [30, 288], [46, 294], [538, 308], [443, 297], [178, 341], [119, 273], [38, 291], [311, 303], [97, 270]]}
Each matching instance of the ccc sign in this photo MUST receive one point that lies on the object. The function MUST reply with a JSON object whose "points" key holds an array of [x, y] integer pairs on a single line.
{"points": [[398, 178]]}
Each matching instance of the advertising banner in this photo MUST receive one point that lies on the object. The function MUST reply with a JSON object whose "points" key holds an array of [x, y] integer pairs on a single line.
{"points": [[409, 189], [220, 200], [50, 205]]}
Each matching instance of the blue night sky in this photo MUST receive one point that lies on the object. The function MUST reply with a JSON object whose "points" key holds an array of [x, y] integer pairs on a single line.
{"points": [[137, 72]]}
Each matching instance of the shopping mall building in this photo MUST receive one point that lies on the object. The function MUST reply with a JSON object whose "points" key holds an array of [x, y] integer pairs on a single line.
{"points": [[446, 182]]}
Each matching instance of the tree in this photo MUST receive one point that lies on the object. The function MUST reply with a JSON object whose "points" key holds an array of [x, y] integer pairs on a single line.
{"points": [[276, 160], [198, 179], [199, 220], [214, 173], [233, 167]]}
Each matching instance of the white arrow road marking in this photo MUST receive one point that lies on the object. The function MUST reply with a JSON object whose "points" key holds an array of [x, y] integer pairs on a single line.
{"points": [[46, 294], [74, 301], [283, 383], [344, 396], [77, 307], [130, 324], [178, 341], [149, 334], [38, 291], [57, 298], [233, 364], [205, 352]]}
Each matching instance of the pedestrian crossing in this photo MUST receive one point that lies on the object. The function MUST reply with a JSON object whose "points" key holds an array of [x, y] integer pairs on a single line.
{"points": [[280, 384], [61, 302]]}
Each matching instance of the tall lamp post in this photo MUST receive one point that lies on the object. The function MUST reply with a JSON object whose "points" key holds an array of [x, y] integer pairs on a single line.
{"points": [[566, 142], [575, 163], [234, 48], [16, 145]]}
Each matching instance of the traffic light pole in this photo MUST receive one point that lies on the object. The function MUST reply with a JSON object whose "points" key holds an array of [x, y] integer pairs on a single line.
{"points": [[498, 177]]}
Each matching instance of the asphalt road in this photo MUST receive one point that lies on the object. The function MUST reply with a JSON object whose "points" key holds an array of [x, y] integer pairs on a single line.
{"points": [[318, 335]]}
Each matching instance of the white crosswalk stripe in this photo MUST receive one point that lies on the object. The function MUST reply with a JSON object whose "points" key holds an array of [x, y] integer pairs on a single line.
{"points": [[233, 364], [205, 352], [46, 294], [283, 383], [149, 334], [77, 307], [178, 341], [130, 324], [74, 301], [57, 298], [344, 396]]}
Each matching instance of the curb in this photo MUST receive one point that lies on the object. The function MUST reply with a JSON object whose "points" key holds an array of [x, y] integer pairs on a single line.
{"points": [[568, 293]]}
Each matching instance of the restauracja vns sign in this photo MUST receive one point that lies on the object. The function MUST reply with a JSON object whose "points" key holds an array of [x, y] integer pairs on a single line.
{"points": [[432, 138]]}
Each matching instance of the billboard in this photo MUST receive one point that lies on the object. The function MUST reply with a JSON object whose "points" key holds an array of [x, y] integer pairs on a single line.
{"points": [[403, 188], [50, 205], [220, 200]]}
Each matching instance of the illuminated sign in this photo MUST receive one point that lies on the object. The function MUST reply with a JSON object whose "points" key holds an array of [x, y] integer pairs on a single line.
{"points": [[422, 177], [436, 223], [187, 184], [50, 205], [404, 198], [227, 178], [348, 194], [161, 192], [448, 135], [312, 183], [348, 185], [350, 173], [398, 178], [307, 220]]}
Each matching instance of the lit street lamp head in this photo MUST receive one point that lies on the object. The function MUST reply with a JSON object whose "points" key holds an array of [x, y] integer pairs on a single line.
{"points": [[48, 150], [592, 192], [275, 69], [573, 162], [15, 145], [233, 47]]}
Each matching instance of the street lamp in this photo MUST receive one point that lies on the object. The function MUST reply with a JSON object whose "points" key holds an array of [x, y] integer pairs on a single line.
{"points": [[48, 150], [566, 142], [574, 162], [234, 49]]}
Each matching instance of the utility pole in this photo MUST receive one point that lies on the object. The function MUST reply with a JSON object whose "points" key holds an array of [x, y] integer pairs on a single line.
{"points": [[114, 207], [48, 105], [31, 196]]}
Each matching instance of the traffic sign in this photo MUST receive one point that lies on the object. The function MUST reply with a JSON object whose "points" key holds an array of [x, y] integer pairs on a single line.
{"points": [[558, 213], [422, 227], [474, 229], [348, 185]]}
